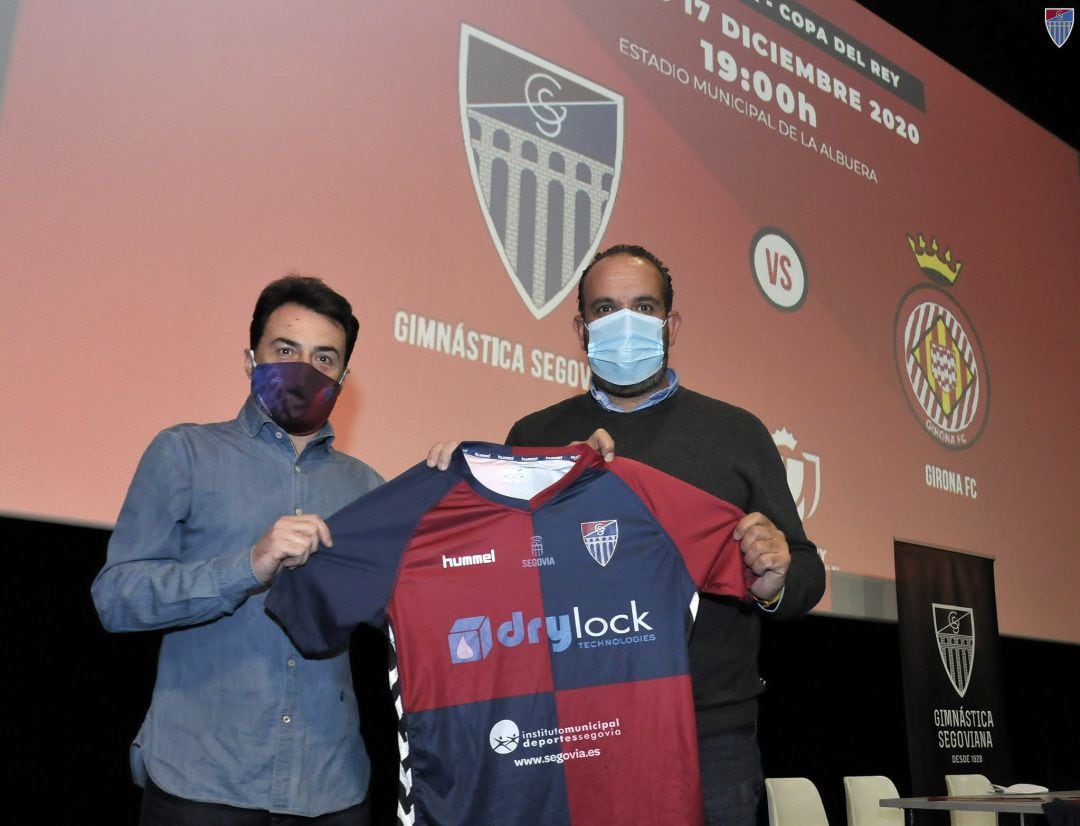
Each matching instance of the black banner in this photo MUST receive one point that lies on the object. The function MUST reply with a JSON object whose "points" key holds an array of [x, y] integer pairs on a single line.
{"points": [[950, 656]]}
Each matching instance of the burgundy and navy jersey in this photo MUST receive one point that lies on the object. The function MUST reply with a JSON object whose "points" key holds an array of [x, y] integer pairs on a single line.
{"points": [[539, 601]]}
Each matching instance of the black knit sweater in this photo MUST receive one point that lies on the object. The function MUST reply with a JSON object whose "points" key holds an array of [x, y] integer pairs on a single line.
{"points": [[728, 452]]}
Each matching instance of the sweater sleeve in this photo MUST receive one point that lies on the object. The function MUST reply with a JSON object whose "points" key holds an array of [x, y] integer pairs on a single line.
{"points": [[770, 495]]}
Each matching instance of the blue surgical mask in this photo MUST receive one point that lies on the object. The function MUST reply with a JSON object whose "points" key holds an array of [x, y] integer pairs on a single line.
{"points": [[626, 347]]}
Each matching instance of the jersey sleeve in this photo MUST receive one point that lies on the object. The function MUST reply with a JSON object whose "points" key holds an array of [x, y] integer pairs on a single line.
{"points": [[700, 525], [320, 603]]}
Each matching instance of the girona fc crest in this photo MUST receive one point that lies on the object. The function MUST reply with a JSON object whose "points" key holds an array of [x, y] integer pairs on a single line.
{"points": [[941, 367], [954, 627], [545, 150], [939, 358], [803, 473], [600, 539]]}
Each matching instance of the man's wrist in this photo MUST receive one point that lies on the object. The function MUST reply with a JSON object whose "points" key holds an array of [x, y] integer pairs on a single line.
{"points": [[769, 603]]}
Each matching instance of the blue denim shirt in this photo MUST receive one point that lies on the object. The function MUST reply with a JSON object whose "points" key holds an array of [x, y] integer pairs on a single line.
{"points": [[238, 716]]}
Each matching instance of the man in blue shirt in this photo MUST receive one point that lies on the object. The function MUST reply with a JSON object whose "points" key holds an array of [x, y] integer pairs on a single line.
{"points": [[241, 726]]}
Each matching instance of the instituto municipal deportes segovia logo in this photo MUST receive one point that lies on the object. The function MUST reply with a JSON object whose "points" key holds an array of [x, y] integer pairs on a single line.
{"points": [[954, 627], [545, 150], [504, 737], [938, 356]]}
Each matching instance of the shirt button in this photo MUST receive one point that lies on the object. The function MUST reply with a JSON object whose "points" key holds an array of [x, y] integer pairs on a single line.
{"points": [[286, 719], [299, 511], [292, 663], [296, 468], [277, 435]]}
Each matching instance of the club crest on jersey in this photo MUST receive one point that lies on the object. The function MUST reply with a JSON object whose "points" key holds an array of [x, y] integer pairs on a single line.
{"points": [[1059, 24], [954, 627], [544, 147], [600, 539]]}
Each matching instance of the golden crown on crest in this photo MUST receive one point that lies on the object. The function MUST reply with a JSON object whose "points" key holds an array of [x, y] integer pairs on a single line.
{"points": [[932, 260]]}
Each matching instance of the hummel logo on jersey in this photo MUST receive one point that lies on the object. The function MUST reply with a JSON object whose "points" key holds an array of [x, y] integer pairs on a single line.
{"points": [[470, 637], [468, 559], [600, 539]]}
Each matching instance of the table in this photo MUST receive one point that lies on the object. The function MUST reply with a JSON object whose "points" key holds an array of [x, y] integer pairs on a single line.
{"points": [[1016, 803]]}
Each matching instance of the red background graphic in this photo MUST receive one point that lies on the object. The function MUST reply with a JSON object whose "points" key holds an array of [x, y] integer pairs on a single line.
{"points": [[161, 163]]}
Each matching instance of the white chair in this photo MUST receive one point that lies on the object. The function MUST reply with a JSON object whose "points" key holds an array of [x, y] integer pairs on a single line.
{"points": [[967, 784], [794, 801], [864, 794]]}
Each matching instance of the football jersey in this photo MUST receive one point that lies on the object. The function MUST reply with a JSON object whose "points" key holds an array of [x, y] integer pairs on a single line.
{"points": [[539, 602]]}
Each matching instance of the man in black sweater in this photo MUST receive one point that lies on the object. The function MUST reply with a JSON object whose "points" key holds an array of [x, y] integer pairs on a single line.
{"points": [[636, 406]]}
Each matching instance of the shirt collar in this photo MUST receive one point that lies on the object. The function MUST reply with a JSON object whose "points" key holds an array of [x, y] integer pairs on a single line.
{"points": [[253, 418], [655, 398]]}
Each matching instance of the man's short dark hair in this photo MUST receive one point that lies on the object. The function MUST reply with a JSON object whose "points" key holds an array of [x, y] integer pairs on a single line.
{"points": [[637, 252], [308, 292]]}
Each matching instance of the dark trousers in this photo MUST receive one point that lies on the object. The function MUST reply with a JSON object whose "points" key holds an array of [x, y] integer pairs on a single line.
{"points": [[159, 808], [731, 776]]}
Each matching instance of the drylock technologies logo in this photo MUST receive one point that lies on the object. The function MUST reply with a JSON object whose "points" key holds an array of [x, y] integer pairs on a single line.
{"points": [[545, 150], [938, 356], [471, 640]]}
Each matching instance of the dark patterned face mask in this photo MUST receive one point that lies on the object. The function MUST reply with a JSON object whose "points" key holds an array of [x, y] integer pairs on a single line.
{"points": [[294, 394]]}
